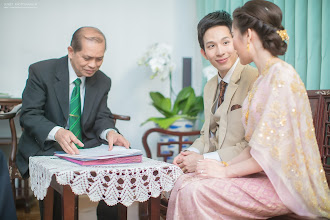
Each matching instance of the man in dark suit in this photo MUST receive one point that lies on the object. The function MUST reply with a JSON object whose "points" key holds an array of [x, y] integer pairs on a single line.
{"points": [[7, 205], [47, 108]]}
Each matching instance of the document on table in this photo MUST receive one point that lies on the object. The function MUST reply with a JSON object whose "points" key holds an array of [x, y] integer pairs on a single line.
{"points": [[101, 152]]}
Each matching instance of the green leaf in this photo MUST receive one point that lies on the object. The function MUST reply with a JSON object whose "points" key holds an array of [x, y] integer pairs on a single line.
{"points": [[156, 97], [164, 123], [165, 108], [166, 104], [196, 107], [181, 99], [186, 105], [189, 103], [184, 94], [162, 104]]}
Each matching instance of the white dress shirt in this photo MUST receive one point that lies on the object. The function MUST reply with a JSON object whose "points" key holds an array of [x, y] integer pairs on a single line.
{"points": [[215, 155], [72, 78]]}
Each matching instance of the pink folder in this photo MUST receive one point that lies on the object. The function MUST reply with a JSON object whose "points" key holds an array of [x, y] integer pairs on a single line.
{"points": [[116, 160]]}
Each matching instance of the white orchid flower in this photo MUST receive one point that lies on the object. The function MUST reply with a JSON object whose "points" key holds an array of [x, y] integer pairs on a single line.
{"points": [[159, 59]]}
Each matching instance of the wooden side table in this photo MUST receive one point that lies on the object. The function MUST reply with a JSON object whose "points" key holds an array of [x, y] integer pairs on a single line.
{"points": [[120, 184]]}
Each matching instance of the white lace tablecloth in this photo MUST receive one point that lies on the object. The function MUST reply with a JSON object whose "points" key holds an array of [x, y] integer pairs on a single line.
{"points": [[120, 183]]}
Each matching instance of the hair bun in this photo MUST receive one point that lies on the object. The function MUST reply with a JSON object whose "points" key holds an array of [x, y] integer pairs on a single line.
{"points": [[265, 18]]}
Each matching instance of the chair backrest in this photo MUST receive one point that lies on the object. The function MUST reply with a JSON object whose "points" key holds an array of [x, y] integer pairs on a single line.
{"points": [[10, 112], [120, 117], [320, 105], [180, 142]]}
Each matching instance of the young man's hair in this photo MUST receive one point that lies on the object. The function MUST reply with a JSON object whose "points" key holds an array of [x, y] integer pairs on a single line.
{"points": [[217, 18]]}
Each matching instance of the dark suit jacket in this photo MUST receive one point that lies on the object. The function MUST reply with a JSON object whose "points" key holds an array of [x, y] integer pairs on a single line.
{"points": [[46, 105], [7, 205]]}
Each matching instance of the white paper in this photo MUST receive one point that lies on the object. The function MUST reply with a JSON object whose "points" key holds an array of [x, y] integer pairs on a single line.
{"points": [[102, 152]]}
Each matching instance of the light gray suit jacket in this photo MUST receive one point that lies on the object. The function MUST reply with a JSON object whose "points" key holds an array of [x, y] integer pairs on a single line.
{"points": [[227, 120], [46, 105]]}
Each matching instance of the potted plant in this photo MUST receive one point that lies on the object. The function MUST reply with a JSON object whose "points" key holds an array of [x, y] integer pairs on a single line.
{"points": [[185, 105]]}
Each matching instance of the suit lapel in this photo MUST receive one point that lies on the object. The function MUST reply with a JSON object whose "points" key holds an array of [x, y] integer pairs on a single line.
{"points": [[62, 86], [223, 110], [209, 97], [90, 96], [211, 93]]}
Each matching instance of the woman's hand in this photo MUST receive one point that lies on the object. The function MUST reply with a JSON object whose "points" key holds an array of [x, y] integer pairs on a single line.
{"points": [[211, 168]]}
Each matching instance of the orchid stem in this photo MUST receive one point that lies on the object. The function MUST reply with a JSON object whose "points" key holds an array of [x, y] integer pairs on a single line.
{"points": [[171, 87]]}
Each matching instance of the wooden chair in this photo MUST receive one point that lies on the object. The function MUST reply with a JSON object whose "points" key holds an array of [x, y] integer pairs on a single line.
{"points": [[120, 117], [144, 208], [22, 189], [320, 105]]}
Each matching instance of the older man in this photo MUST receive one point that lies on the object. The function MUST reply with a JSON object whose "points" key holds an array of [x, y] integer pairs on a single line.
{"points": [[65, 102]]}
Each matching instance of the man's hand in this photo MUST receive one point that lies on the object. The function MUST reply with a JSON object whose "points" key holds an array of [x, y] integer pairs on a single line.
{"points": [[178, 159], [116, 139], [189, 161], [67, 141], [211, 168]]}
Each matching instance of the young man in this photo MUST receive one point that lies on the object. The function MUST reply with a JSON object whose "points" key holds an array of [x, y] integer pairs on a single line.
{"points": [[65, 103], [222, 135]]}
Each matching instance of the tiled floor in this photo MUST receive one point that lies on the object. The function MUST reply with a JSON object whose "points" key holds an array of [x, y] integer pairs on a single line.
{"points": [[87, 210]]}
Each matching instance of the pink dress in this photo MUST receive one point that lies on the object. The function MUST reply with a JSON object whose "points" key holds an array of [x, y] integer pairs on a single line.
{"points": [[279, 128]]}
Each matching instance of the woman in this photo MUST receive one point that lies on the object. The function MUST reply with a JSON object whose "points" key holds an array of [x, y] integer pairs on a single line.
{"points": [[281, 172]]}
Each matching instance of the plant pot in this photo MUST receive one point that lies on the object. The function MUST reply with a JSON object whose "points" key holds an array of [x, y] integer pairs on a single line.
{"points": [[180, 125]]}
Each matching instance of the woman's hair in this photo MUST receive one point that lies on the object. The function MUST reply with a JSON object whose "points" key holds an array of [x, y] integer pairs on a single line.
{"points": [[265, 18]]}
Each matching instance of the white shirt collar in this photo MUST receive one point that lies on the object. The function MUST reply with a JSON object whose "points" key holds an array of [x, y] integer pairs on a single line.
{"points": [[229, 73], [73, 76]]}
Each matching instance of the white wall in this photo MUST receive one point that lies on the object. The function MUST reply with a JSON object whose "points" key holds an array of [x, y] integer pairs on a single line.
{"points": [[32, 34]]}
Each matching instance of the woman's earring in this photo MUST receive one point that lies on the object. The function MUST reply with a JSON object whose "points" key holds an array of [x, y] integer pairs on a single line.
{"points": [[248, 47]]}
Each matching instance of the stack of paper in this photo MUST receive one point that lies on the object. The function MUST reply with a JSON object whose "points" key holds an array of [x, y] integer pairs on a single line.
{"points": [[101, 155]]}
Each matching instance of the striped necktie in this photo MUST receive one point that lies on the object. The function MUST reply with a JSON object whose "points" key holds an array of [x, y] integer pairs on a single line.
{"points": [[75, 111]]}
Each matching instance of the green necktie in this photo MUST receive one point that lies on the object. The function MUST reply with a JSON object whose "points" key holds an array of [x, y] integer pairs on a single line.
{"points": [[75, 111]]}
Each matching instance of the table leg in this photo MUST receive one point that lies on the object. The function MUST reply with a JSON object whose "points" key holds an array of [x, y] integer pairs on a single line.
{"points": [[155, 208], [122, 212], [76, 211], [143, 210], [68, 203], [49, 204]]}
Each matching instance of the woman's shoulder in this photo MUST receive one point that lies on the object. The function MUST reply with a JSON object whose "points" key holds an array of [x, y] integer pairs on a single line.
{"points": [[283, 73], [283, 70]]}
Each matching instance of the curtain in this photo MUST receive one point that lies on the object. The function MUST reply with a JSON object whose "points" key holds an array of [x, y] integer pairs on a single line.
{"points": [[307, 23]]}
